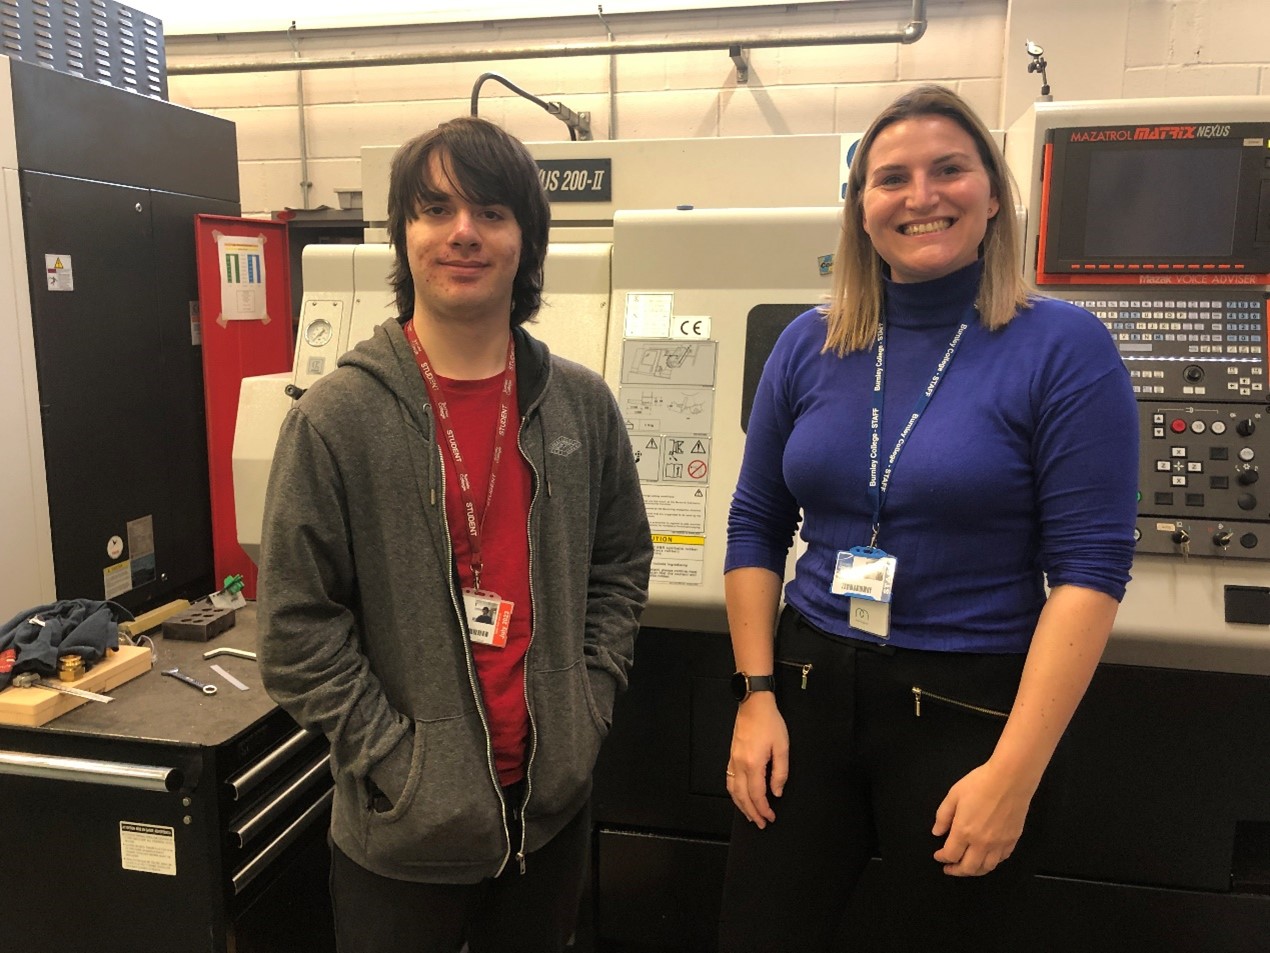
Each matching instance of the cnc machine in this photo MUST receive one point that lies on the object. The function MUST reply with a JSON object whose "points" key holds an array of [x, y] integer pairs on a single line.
{"points": [[673, 268]]}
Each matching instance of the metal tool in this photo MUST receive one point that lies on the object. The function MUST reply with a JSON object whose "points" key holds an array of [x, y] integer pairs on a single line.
{"points": [[33, 680], [190, 680], [229, 678], [237, 653]]}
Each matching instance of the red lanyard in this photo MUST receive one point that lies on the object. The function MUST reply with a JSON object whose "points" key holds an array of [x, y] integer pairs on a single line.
{"points": [[474, 528]]}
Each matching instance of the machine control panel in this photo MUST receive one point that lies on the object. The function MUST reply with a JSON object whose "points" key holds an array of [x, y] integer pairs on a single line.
{"points": [[1197, 359], [1204, 479]]}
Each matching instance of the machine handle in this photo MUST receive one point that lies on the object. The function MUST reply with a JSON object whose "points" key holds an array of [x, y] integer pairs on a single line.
{"points": [[86, 771], [257, 865], [251, 779], [252, 826]]}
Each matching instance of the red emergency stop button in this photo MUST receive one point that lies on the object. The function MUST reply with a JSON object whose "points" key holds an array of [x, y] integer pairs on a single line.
{"points": [[1178, 426]]}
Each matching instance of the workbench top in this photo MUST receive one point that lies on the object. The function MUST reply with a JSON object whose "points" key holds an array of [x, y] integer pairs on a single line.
{"points": [[153, 707]]}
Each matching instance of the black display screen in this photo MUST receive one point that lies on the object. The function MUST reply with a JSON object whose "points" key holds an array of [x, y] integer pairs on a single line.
{"points": [[1132, 203], [1162, 202]]}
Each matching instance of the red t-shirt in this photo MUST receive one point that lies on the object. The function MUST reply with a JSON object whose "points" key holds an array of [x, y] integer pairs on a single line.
{"points": [[474, 408]]}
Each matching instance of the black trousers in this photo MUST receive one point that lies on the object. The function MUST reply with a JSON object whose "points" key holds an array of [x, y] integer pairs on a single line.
{"points": [[867, 773], [533, 912]]}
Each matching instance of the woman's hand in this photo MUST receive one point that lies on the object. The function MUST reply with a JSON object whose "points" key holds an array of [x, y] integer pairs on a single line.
{"points": [[759, 739], [983, 816]]}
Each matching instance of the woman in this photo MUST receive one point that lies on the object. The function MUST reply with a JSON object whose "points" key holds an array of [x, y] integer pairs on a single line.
{"points": [[952, 444]]}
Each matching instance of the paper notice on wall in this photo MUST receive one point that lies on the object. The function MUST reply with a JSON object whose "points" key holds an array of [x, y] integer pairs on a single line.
{"points": [[242, 278]]}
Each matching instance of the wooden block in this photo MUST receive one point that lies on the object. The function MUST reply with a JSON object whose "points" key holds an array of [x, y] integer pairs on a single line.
{"points": [[37, 706], [155, 617]]}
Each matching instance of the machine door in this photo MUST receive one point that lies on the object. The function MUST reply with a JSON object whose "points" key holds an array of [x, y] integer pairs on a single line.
{"points": [[120, 389]]}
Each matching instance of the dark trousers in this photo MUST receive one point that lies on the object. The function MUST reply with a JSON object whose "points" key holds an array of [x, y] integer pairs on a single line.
{"points": [[533, 912], [866, 775]]}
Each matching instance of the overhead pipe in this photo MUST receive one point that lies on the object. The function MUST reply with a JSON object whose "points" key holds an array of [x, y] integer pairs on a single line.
{"points": [[911, 33]]}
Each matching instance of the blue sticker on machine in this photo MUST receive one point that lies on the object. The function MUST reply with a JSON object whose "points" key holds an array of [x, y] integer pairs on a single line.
{"points": [[576, 180]]}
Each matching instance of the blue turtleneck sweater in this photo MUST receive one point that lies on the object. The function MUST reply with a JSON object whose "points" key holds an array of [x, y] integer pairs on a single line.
{"points": [[1022, 469]]}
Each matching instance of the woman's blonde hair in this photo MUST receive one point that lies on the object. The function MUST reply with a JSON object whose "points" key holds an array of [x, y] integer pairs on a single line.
{"points": [[855, 306]]}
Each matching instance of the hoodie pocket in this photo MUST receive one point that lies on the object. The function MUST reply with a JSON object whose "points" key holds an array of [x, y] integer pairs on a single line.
{"points": [[568, 733], [449, 811]]}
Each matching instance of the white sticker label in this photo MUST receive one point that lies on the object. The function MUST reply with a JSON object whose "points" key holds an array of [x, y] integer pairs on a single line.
{"points": [[684, 328], [59, 272], [678, 560], [148, 848], [117, 579], [676, 510], [114, 547], [648, 315]]}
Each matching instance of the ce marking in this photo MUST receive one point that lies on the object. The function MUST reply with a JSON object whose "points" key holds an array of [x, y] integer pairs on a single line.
{"points": [[691, 328]]}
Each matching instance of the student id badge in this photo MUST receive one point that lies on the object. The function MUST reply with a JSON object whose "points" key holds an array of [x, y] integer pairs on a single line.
{"points": [[488, 617], [867, 575]]}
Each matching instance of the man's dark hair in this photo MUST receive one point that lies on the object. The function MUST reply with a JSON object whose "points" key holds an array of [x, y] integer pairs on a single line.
{"points": [[490, 167]]}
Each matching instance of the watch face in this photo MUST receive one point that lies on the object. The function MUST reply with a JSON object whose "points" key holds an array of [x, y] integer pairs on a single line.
{"points": [[740, 686]]}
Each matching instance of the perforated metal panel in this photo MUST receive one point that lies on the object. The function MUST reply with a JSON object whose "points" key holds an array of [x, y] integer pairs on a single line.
{"points": [[100, 40]]}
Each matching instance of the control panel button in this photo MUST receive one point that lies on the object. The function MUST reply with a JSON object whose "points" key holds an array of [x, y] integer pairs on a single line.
{"points": [[1246, 501], [1248, 540], [1198, 426], [1219, 427], [1247, 454], [1179, 426]]}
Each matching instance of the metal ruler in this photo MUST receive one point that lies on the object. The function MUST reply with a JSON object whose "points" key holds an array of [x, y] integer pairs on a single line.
{"points": [[32, 680]]}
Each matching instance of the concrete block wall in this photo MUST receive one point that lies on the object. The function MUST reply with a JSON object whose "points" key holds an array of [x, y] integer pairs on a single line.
{"points": [[1111, 49], [1096, 49]]}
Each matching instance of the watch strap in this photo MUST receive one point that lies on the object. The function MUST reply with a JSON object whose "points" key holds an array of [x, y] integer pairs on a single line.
{"points": [[761, 683], [744, 685]]}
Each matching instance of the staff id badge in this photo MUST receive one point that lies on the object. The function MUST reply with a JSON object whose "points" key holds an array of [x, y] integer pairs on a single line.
{"points": [[867, 575], [864, 573], [488, 617]]}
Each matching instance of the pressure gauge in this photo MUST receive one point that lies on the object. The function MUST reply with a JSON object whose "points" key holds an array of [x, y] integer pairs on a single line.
{"points": [[318, 332]]}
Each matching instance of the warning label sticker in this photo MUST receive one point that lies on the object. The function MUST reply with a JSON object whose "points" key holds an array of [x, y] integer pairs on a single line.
{"points": [[678, 560], [676, 510], [149, 848]]}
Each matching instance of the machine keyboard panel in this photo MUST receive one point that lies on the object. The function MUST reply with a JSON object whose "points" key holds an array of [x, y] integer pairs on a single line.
{"points": [[1208, 344]]}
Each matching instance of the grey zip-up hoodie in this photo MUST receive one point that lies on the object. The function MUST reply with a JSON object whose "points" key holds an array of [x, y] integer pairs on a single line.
{"points": [[362, 634]]}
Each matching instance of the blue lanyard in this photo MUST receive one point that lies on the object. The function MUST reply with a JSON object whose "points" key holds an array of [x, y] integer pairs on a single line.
{"points": [[878, 487]]}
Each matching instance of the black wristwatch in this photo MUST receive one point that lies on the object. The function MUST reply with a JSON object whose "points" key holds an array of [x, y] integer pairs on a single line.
{"points": [[744, 685]]}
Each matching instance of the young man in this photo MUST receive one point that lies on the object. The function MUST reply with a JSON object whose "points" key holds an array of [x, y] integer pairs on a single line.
{"points": [[447, 467]]}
